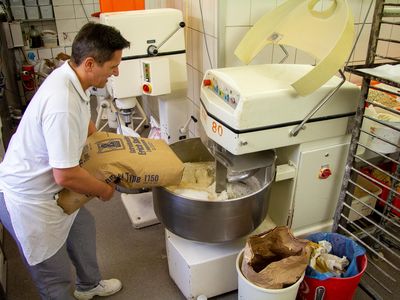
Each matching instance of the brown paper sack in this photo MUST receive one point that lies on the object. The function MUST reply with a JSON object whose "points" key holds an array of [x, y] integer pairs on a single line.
{"points": [[275, 259], [131, 162]]}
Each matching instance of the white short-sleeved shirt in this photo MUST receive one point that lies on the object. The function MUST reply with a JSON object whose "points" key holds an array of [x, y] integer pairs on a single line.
{"points": [[51, 134]]}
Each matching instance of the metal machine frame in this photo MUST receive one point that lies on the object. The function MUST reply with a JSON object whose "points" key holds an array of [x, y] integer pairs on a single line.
{"points": [[374, 226]]}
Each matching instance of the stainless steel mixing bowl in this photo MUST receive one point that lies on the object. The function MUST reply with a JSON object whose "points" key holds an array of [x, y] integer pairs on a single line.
{"points": [[212, 221]]}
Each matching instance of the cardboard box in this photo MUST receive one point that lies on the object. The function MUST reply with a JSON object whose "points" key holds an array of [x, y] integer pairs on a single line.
{"points": [[8, 38], [16, 34], [364, 197]]}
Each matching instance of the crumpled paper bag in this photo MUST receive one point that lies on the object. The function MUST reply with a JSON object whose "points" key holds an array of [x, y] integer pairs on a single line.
{"points": [[275, 259]]}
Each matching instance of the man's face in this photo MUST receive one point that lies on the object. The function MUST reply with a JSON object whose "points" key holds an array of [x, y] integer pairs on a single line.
{"points": [[101, 73]]}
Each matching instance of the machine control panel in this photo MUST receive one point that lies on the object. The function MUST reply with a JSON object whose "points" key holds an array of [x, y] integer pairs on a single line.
{"points": [[146, 71], [223, 91], [155, 76]]}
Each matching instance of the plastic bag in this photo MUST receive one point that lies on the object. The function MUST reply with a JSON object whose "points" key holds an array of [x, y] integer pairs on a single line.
{"points": [[155, 130], [127, 131], [341, 246], [323, 261]]}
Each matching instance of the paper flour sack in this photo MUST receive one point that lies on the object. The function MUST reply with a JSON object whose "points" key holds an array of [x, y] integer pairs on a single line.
{"points": [[131, 162]]}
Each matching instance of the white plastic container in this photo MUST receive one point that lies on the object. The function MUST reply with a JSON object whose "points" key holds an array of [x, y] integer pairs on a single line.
{"points": [[364, 197], [382, 131], [250, 291], [49, 38]]}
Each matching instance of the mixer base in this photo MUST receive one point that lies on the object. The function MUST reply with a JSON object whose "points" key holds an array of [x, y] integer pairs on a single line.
{"points": [[140, 209], [202, 269]]}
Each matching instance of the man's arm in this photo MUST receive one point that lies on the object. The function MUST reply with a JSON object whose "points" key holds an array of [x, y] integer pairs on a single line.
{"points": [[79, 180], [92, 128]]}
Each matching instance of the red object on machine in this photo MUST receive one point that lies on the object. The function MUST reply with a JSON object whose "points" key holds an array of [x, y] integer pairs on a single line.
{"points": [[324, 173], [207, 82], [120, 5], [28, 78], [332, 288], [147, 88]]}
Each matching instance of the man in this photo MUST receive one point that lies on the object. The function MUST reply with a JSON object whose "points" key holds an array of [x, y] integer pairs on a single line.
{"points": [[43, 157]]}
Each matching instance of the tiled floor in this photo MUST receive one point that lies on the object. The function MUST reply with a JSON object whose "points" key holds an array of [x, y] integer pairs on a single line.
{"points": [[136, 256]]}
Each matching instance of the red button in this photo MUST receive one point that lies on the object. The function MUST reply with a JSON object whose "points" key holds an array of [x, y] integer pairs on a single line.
{"points": [[325, 173], [146, 88], [206, 82]]}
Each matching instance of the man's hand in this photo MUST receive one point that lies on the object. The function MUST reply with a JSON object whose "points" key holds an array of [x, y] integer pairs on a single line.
{"points": [[80, 181], [109, 192], [92, 128]]}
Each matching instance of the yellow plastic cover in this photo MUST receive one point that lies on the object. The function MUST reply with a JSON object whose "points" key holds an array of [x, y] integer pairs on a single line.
{"points": [[327, 35]]}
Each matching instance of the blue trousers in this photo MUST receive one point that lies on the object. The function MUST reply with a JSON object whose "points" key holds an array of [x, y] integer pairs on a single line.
{"points": [[53, 276]]}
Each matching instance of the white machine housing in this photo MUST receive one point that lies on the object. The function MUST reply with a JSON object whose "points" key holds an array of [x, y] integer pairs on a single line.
{"points": [[253, 108], [142, 73], [159, 78]]}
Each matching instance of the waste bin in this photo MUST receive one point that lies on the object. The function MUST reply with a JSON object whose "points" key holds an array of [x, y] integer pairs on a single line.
{"points": [[319, 286], [250, 291]]}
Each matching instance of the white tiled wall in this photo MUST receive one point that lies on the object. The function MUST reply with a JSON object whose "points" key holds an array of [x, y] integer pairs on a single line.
{"points": [[71, 15], [202, 49], [222, 23], [252, 10]]}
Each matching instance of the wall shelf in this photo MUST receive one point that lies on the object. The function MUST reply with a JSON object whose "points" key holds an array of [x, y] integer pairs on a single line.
{"points": [[35, 20]]}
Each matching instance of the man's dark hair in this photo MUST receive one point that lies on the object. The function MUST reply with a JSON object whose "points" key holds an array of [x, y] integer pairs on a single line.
{"points": [[98, 41]]}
